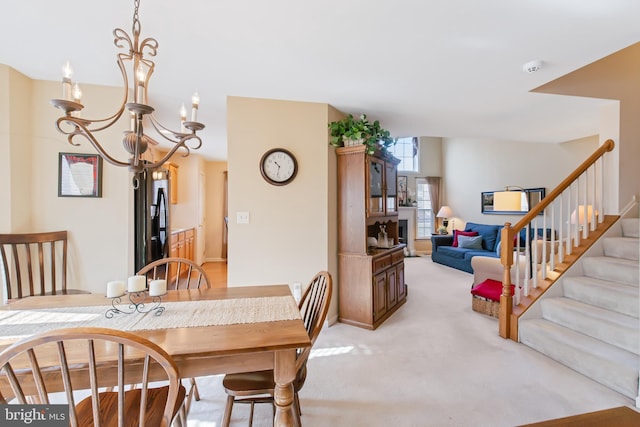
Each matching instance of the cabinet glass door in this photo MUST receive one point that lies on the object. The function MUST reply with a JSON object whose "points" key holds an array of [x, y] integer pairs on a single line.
{"points": [[376, 175], [391, 178]]}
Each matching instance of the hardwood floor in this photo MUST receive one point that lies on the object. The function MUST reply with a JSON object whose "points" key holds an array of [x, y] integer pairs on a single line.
{"points": [[217, 273], [620, 417]]}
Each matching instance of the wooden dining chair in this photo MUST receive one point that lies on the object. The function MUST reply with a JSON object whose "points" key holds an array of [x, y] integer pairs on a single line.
{"points": [[180, 273], [34, 264], [258, 387], [94, 359]]}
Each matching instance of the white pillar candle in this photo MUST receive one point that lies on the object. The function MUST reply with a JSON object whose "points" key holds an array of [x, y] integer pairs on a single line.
{"points": [[157, 288], [115, 289], [137, 283]]}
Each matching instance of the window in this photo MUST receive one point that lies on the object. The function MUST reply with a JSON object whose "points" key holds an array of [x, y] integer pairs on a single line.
{"points": [[406, 149], [424, 215]]}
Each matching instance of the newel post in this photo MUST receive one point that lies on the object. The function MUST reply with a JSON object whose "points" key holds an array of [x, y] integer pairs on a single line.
{"points": [[506, 300]]}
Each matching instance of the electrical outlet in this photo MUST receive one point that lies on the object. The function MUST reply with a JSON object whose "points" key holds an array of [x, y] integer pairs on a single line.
{"points": [[297, 291], [242, 218]]}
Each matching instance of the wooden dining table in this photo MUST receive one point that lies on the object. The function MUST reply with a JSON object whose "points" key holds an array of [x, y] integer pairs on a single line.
{"points": [[215, 349]]}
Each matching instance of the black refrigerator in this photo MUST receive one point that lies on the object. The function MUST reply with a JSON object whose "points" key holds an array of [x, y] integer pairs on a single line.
{"points": [[151, 210]]}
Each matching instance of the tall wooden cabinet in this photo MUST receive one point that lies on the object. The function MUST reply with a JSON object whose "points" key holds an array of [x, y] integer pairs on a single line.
{"points": [[182, 245], [371, 278]]}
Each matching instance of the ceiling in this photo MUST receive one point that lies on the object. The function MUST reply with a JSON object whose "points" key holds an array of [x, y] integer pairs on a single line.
{"points": [[422, 67]]}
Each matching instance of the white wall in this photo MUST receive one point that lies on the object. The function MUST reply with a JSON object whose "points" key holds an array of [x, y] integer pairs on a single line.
{"points": [[610, 129], [430, 162]]}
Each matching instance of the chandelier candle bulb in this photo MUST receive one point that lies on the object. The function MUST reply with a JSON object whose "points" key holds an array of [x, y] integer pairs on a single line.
{"points": [[140, 76], [115, 289], [67, 72], [195, 101], [157, 288], [77, 93], [183, 118], [133, 121], [136, 284], [141, 92]]}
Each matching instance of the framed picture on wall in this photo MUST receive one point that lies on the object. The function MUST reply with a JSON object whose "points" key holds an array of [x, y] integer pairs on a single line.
{"points": [[529, 198], [402, 191], [79, 175]]}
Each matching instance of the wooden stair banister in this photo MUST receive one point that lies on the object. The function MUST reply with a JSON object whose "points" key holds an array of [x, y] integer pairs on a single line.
{"points": [[507, 324]]}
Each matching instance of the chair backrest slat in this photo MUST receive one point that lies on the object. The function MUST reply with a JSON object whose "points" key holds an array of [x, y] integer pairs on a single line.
{"points": [[314, 306], [34, 263], [180, 273], [16, 388], [41, 267], [57, 362], [144, 389], [37, 377], [120, 385], [66, 380], [93, 379]]}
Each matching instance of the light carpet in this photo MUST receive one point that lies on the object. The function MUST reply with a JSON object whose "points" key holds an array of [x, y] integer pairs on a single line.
{"points": [[435, 362]]}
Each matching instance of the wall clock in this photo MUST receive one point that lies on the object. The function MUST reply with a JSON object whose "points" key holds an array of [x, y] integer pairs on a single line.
{"points": [[278, 166]]}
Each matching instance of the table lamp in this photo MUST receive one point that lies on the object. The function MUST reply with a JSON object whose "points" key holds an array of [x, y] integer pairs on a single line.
{"points": [[445, 213]]}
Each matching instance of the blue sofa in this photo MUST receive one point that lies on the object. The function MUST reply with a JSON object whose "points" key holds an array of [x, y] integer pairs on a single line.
{"points": [[444, 253]]}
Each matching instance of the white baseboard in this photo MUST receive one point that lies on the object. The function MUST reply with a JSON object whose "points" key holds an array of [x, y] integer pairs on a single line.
{"points": [[332, 320], [215, 259]]}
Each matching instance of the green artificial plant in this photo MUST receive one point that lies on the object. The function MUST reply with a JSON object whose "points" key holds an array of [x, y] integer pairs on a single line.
{"points": [[361, 129]]}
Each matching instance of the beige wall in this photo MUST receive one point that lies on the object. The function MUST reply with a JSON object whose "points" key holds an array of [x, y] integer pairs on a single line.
{"points": [[291, 234], [16, 147], [612, 77], [472, 166], [100, 229]]}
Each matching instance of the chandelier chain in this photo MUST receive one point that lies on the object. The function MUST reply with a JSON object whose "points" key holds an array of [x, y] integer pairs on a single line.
{"points": [[136, 20]]}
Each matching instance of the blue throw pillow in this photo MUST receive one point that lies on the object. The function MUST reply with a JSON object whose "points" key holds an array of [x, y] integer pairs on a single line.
{"points": [[470, 242], [488, 231]]}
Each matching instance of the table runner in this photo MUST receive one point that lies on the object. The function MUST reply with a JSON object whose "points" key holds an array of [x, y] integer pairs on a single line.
{"points": [[18, 323]]}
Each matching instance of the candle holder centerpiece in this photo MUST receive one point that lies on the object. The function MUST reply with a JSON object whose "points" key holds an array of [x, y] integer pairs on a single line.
{"points": [[139, 302], [140, 299]]}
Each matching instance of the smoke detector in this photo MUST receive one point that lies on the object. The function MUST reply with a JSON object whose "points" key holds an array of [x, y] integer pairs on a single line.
{"points": [[532, 66]]}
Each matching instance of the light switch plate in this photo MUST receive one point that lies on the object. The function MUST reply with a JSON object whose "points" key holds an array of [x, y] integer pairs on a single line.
{"points": [[242, 217]]}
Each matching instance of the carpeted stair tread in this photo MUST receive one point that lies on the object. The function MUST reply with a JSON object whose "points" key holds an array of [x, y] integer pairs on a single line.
{"points": [[611, 366], [612, 269], [613, 328], [622, 247], [631, 227], [613, 296]]}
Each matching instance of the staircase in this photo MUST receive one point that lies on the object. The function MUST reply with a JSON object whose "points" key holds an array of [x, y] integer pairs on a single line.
{"points": [[590, 323]]}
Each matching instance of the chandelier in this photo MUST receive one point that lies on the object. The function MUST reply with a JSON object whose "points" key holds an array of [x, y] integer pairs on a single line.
{"points": [[135, 140]]}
